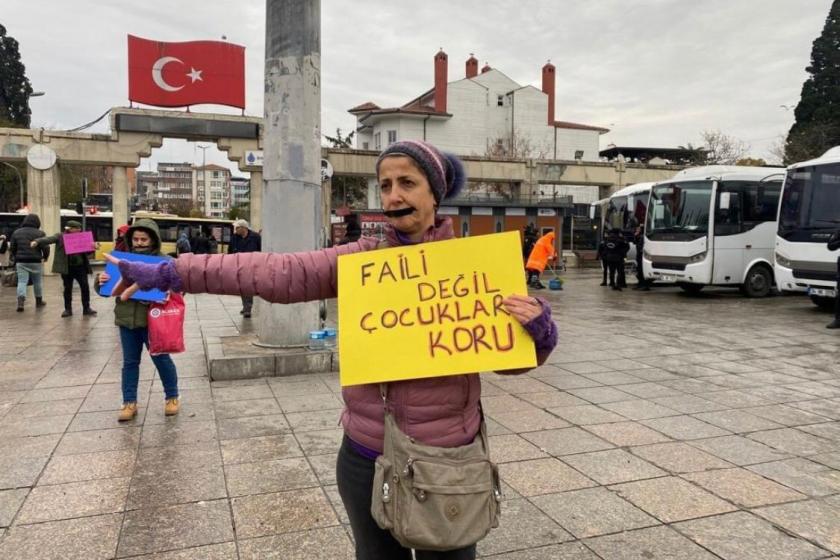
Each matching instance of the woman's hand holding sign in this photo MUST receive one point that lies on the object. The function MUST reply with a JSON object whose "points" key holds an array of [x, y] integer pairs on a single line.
{"points": [[523, 308]]}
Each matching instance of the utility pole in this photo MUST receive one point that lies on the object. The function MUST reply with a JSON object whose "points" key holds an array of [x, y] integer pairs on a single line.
{"points": [[206, 194], [291, 196]]}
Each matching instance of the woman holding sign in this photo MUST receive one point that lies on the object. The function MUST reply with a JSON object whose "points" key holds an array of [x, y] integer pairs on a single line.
{"points": [[131, 316], [441, 413]]}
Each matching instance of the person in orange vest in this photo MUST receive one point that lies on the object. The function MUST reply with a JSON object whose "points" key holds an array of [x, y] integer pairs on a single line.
{"points": [[542, 252]]}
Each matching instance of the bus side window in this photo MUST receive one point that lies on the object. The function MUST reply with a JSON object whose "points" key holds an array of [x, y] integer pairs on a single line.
{"points": [[728, 212], [761, 201]]}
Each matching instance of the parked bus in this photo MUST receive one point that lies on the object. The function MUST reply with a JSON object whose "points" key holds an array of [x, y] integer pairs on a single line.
{"points": [[714, 226], [171, 227], [808, 214], [624, 209]]}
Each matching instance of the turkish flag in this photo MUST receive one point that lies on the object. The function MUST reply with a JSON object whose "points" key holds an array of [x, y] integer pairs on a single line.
{"points": [[189, 73]]}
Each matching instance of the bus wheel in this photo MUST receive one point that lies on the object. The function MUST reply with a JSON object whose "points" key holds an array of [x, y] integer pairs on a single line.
{"points": [[759, 282], [824, 303], [691, 288]]}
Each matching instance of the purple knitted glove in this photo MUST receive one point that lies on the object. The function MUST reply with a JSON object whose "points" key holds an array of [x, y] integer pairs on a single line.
{"points": [[543, 330], [149, 276]]}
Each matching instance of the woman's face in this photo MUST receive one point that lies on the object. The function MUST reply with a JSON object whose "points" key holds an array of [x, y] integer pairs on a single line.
{"points": [[140, 239], [402, 185]]}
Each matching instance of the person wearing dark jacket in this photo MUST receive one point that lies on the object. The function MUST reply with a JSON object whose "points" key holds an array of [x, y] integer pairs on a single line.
{"points": [[29, 260], [200, 245], [244, 240], [639, 239], [132, 317], [72, 268], [602, 257], [353, 231], [834, 244], [615, 248]]}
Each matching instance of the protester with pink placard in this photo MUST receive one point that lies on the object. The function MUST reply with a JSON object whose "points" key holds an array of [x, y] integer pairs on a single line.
{"points": [[71, 264]]}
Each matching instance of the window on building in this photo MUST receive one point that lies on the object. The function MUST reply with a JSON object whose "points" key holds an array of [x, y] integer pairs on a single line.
{"points": [[366, 145], [377, 141], [216, 175], [392, 136], [500, 101]]}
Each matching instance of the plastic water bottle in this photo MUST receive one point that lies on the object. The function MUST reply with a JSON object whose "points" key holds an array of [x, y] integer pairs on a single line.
{"points": [[330, 337], [316, 340]]}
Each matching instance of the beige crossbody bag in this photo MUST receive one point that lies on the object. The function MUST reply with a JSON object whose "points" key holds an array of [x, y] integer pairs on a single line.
{"points": [[434, 498]]}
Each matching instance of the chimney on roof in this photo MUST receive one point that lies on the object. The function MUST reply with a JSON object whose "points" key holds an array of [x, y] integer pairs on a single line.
{"points": [[441, 77], [472, 66], [486, 68], [548, 89]]}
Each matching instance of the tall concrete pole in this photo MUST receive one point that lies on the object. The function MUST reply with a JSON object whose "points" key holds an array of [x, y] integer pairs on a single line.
{"points": [[119, 198], [291, 196]]}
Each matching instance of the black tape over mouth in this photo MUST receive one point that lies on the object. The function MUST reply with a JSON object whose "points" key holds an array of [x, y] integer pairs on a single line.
{"points": [[399, 213]]}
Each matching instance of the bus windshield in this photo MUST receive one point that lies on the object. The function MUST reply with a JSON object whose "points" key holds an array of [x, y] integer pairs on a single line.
{"points": [[810, 202], [679, 211]]}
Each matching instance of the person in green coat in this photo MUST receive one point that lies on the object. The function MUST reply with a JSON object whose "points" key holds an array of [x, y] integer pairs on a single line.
{"points": [[131, 316], [71, 267]]}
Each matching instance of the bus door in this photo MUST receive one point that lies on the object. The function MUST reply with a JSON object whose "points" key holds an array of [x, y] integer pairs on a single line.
{"points": [[727, 244]]}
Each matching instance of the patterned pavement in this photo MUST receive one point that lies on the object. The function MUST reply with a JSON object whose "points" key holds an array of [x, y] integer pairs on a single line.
{"points": [[663, 427]]}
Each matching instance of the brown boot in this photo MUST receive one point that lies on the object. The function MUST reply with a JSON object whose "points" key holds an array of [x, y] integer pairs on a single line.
{"points": [[171, 407], [127, 412]]}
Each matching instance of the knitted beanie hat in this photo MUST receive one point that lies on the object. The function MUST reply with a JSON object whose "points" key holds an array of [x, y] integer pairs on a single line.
{"points": [[444, 171]]}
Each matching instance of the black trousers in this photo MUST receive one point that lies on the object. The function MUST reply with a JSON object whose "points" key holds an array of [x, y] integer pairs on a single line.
{"points": [[533, 276], [606, 268], [79, 274], [354, 475], [247, 303], [615, 273]]}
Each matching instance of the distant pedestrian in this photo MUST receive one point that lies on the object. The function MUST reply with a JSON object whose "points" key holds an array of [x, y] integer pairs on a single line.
{"points": [[616, 248], [353, 231], [29, 260], [212, 243], [245, 240], [183, 245], [4, 251], [602, 258], [131, 316], [119, 242], [639, 239], [834, 244], [529, 239], [542, 252], [72, 268]]}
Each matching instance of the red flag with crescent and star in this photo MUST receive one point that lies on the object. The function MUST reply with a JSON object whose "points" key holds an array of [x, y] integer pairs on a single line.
{"points": [[188, 73]]}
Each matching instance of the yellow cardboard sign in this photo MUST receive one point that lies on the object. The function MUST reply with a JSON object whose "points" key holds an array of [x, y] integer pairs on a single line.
{"points": [[431, 310]]}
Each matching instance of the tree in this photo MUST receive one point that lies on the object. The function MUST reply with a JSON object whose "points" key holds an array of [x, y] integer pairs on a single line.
{"points": [[15, 88], [722, 149], [346, 190], [696, 155], [751, 162], [241, 211], [817, 124], [339, 141], [518, 145]]}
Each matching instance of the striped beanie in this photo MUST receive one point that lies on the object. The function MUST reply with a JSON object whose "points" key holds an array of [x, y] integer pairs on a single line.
{"points": [[444, 171]]}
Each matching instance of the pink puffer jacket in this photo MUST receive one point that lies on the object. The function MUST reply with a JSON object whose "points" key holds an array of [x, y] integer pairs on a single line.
{"points": [[441, 411]]}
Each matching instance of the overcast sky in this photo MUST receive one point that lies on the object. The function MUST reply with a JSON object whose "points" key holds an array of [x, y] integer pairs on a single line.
{"points": [[656, 72]]}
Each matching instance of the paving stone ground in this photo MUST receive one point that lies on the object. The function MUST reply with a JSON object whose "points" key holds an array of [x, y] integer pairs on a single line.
{"points": [[664, 426]]}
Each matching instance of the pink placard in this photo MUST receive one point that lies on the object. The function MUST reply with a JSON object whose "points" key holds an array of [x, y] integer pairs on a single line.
{"points": [[75, 243]]}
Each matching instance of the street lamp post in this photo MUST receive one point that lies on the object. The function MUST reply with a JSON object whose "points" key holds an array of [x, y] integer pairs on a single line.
{"points": [[20, 180]]}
